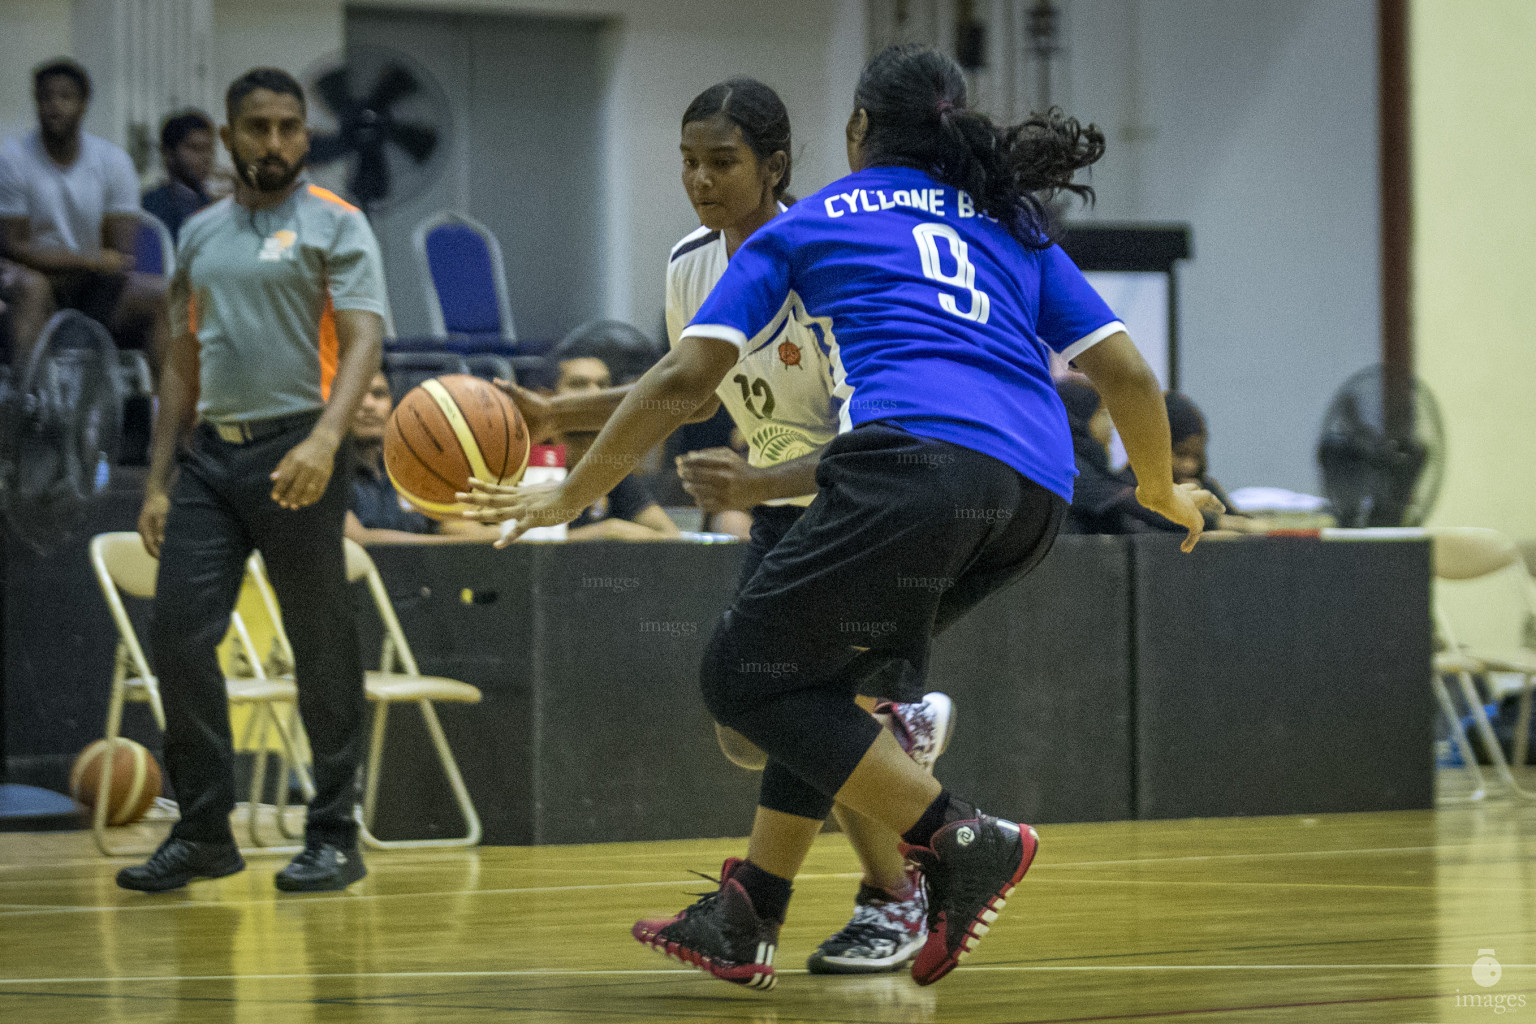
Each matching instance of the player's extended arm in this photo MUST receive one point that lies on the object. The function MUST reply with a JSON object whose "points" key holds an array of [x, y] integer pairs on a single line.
{"points": [[577, 411], [178, 405], [656, 405], [367, 536], [300, 479], [1134, 398]]}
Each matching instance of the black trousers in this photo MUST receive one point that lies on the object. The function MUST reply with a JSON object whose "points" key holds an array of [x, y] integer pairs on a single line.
{"points": [[905, 536], [221, 508]]}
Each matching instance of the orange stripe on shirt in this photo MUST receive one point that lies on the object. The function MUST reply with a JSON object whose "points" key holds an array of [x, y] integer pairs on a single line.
{"points": [[329, 356], [332, 197]]}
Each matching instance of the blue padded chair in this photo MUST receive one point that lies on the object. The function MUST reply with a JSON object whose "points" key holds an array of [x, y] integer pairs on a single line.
{"points": [[465, 280], [154, 251]]}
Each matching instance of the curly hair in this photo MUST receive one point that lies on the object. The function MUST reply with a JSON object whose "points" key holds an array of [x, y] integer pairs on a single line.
{"points": [[915, 97]]}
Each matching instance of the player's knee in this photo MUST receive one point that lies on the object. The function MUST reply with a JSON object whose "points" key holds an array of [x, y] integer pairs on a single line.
{"points": [[30, 289], [719, 678], [739, 750]]}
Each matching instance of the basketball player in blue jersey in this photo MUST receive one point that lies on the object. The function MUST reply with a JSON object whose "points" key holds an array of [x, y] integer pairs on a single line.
{"points": [[931, 271], [736, 167]]}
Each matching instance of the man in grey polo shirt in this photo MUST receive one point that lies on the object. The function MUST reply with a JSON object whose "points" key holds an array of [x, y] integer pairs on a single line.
{"points": [[278, 308]]}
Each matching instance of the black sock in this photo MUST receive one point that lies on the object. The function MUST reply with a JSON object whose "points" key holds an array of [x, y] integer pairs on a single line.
{"points": [[921, 833], [769, 892]]}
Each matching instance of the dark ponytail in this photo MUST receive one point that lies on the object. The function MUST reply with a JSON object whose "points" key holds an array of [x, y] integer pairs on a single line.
{"points": [[916, 100], [754, 108]]}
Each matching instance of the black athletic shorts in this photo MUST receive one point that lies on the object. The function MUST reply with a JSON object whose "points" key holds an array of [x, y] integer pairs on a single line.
{"points": [[906, 534]]}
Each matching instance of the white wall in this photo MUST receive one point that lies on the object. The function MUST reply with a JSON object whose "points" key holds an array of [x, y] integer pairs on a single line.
{"points": [[31, 31], [1474, 267], [288, 34], [1255, 122], [665, 52]]}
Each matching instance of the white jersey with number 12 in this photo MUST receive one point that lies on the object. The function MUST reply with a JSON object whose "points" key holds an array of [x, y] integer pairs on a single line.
{"points": [[780, 393]]}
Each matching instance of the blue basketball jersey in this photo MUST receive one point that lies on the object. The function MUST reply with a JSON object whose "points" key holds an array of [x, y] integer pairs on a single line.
{"points": [[932, 314]]}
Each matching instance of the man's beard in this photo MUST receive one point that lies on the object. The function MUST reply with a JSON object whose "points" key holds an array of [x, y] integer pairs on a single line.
{"points": [[69, 131], [266, 175]]}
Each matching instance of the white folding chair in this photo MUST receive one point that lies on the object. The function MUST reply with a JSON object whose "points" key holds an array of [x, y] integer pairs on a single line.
{"points": [[1464, 553], [122, 566], [398, 680]]}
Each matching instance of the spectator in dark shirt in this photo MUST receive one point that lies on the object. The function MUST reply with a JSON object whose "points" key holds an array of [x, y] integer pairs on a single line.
{"points": [[1102, 501], [376, 514], [186, 147], [1190, 438], [628, 512]]}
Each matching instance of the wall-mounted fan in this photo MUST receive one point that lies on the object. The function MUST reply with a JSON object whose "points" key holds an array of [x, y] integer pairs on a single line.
{"points": [[1377, 472], [60, 430], [381, 126]]}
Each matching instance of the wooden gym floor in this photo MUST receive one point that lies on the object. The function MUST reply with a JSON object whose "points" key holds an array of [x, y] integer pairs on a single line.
{"points": [[1369, 917]]}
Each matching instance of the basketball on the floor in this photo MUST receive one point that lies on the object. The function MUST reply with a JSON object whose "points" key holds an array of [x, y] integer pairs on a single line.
{"points": [[135, 779], [446, 430]]}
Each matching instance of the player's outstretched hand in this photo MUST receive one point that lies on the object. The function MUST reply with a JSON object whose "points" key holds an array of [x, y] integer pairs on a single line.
{"points": [[1184, 504], [300, 479], [719, 480], [538, 411], [527, 506]]}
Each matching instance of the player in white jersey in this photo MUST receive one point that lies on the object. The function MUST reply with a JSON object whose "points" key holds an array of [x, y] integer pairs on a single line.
{"points": [[736, 167], [780, 395]]}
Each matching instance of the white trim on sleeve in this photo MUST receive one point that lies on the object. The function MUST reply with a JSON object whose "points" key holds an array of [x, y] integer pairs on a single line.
{"points": [[1087, 342], [718, 331]]}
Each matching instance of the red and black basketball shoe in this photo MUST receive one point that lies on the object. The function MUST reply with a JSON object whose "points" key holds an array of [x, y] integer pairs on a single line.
{"points": [[721, 934], [970, 866]]}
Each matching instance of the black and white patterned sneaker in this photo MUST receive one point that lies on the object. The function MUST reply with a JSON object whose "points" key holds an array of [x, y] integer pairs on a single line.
{"points": [[923, 729], [885, 932], [721, 934]]}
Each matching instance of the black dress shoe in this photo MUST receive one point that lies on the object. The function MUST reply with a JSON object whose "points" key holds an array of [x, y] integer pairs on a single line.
{"points": [[178, 861], [322, 867]]}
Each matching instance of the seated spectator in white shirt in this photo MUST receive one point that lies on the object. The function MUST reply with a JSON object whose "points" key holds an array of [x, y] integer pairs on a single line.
{"points": [[376, 514], [69, 208], [186, 149]]}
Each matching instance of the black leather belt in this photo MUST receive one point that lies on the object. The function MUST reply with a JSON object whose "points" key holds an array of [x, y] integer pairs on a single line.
{"points": [[246, 431]]}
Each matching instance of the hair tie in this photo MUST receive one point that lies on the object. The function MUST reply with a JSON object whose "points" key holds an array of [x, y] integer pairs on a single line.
{"points": [[945, 106]]}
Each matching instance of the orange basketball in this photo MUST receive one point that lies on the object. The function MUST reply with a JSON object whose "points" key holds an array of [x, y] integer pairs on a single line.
{"points": [[135, 779], [449, 429]]}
